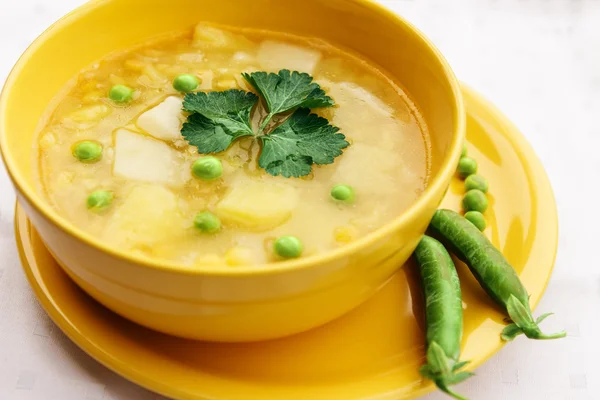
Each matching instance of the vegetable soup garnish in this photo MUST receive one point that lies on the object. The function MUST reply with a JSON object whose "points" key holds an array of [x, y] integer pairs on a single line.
{"points": [[212, 143], [287, 91], [444, 315], [492, 271], [290, 149]]}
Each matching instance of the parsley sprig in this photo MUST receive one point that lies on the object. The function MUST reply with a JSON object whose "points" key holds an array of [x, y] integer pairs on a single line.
{"points": [[218, 118]]}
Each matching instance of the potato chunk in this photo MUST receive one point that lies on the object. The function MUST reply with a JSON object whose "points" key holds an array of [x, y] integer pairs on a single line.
{"points": [[206, 36], [210, 37], [90, 114], [163, 121], [141, 158], [361, 115], [368, 169], [258, 205], [274, 56], [146, 217]]}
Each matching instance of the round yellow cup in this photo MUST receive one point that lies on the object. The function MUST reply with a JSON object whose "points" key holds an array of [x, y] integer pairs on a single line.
{"points": [[242, 303]]}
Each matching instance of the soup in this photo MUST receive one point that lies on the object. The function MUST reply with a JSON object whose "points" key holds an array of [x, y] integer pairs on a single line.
{"points": [[121, 158]]}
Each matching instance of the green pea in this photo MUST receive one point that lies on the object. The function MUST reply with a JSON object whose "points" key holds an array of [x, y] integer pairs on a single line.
{"points": [[343, 193], [185, 83], [477, 219], [100, 199], [207, 222], [207, 168], [464, 151], [288, 247], [467, 166], [120, 94], [475, 200], [476, 182], [87, 151]]}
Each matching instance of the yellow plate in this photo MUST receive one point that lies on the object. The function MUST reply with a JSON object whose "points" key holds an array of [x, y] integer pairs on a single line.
{"points": [[373, 352]]}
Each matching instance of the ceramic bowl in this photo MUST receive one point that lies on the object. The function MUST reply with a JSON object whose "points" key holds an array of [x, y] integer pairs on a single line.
{"points": [[247, 303]]}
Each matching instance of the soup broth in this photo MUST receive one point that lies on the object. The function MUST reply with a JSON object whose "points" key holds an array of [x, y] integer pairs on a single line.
{"points": [[146, 164]]}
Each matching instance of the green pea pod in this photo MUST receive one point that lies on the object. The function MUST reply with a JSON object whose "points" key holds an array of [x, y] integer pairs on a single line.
{"points": [[493, 272], [444, 315]]}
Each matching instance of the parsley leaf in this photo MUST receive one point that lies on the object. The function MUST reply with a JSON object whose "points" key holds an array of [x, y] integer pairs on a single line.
{"points": [[287, 90], [303, 139], [217, 119]]}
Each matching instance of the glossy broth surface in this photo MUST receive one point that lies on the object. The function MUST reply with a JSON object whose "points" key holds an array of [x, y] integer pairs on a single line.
{"points": [[146, 164]]}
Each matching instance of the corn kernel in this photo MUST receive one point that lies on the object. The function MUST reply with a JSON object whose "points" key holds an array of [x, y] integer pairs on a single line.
{"points": [[135, 65], [210, 259], [345, 234], [206, 78], [89, 84], [47, 140], [192, 58], [227, 84], [205, 35], [92, 97], [116, 80], [237, 256], [153, 74], [91, 113], [175, 70]]}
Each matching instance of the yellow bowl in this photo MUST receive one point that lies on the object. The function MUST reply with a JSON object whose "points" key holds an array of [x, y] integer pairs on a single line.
{"points": [[247, 303]]}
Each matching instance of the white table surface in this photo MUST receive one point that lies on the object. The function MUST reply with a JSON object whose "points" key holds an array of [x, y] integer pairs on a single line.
{"points": [[538, 60]]}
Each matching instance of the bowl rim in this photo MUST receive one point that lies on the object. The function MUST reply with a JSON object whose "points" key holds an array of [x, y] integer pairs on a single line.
{"points": [[407, 217]]}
